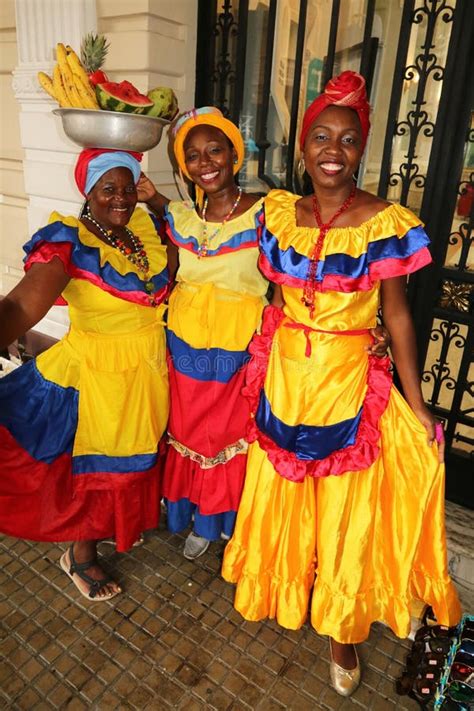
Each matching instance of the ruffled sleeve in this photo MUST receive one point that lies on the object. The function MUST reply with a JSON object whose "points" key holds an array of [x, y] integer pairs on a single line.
{"points": [[54, 240], [398, 244], [392, 243], [85, 257]]}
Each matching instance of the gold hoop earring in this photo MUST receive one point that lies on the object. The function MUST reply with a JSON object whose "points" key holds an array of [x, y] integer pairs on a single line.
{"points": [[301, 168]]}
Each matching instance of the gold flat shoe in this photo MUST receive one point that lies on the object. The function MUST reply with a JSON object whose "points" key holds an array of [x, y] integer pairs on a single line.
{"points": [[344, 681]]}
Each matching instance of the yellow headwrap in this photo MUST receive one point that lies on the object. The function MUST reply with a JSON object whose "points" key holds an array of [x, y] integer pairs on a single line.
{"points": [[205, 116]]}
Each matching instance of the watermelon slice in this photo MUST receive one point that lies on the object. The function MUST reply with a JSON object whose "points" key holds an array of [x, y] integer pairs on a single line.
{"points": [[122, 97]]}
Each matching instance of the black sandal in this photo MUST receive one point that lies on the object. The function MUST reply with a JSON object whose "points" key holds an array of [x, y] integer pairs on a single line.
{"points": [[73, 568]]}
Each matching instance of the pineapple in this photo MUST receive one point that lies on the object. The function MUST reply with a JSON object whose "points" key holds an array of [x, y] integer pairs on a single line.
{"points": [[94, 49]]}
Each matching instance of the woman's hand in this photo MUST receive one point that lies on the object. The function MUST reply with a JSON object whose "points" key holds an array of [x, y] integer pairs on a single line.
{"points": [[381, 342], [146, 192], [433, 428], [145, 189]]}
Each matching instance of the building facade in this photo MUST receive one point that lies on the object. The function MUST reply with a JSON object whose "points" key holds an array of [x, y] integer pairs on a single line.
{"points": [[262, 62]]}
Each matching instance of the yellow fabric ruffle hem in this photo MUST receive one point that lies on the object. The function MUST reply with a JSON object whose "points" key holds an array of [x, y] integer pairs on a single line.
{"points": [[365, 544]]}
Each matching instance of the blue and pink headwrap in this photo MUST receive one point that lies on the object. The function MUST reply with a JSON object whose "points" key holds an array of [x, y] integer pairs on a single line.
{"points": [[93, 163]]}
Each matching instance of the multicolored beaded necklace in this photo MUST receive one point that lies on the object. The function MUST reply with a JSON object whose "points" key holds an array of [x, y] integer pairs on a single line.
{"points": [[136, 254], [204, 246], [309, 289]]}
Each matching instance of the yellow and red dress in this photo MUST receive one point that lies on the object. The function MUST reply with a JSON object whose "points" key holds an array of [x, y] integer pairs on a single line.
{"points": [[213, 313], [80, 425], [343, 497]]}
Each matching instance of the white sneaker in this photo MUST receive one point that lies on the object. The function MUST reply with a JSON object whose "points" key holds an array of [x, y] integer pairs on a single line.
{"points": [[195, 546], [224, 536]]}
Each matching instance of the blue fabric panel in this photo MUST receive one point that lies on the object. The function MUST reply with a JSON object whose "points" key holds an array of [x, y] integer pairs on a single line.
{"points": [[180, 517], [246, 237], [307, 442], [394, 248], [288, 261], [88, 259], [207, 364], [39, 414], [92, 463]]}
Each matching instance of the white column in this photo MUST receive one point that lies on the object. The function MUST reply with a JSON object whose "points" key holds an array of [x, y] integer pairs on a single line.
{"points": [[49, 155]]}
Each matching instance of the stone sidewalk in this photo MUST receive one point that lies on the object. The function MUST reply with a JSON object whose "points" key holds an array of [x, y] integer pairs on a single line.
{"points": [[171, 641]]}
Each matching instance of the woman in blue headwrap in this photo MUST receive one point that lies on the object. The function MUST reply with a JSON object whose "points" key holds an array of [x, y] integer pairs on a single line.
{"points": [[80, 425]]}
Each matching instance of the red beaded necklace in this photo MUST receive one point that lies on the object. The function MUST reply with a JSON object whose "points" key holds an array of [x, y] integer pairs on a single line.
{"points": [[309, 289]]}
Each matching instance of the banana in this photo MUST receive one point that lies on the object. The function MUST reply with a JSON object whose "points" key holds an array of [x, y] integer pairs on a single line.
{"points": [[70, 84], [87, 101], [67, 76], [47, 84], [79, 72], [59, 90], [61, 54]]}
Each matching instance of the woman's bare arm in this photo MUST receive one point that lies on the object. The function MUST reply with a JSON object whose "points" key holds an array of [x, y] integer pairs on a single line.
{"points": [[397, 317], [31, 299]]}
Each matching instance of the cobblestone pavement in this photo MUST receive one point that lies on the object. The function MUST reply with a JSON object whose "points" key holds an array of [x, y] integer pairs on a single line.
{"points": [[171, 641]]}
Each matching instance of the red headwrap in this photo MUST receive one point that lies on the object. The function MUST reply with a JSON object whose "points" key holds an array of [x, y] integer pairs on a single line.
{"points": [[347, 89], [85, 157]]}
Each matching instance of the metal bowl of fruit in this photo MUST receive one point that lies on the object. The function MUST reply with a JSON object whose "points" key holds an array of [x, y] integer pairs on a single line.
{"points": [[112, 129]]}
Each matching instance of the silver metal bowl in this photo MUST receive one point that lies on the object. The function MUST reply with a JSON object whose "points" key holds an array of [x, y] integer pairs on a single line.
{"points": [[111, 129]]}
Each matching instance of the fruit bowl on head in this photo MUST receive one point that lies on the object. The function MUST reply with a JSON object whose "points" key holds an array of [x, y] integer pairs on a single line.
{"points": [[92, 128]]}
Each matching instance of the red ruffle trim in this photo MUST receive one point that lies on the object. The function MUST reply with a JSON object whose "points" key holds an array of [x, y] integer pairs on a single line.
{"points": [[383, 269], [46, 251], [358, 456], [393, 267], [214, 490], [331, 282]]}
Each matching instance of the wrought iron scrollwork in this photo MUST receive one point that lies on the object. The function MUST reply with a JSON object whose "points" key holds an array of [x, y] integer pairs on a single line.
{"points": [[418, 123], [439, 373], [462, 237], [408, 173], [425, 64], [431, 9], [469, 411], [224, 74]]}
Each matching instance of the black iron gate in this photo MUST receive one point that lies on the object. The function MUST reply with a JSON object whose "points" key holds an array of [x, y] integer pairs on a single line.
{"points": [[424, 157]]}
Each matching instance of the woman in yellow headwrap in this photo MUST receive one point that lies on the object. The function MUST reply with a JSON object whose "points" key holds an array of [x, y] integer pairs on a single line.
{"points": [[213, 313]]}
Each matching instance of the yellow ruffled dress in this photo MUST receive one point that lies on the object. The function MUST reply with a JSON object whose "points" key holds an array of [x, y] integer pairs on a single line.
{"points": [[342, 508], [81, 425]]}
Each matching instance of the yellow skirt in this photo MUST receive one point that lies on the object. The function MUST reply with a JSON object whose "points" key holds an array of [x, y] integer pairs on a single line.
{"points": [[364, 544]]}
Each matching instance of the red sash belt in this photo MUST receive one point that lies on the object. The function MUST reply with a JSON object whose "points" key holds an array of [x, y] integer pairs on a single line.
{"points": [[307, 329]]}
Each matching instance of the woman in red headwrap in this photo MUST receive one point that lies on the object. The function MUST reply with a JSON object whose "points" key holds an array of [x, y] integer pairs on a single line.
{"points": [[343, 497], [80, 425]]}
